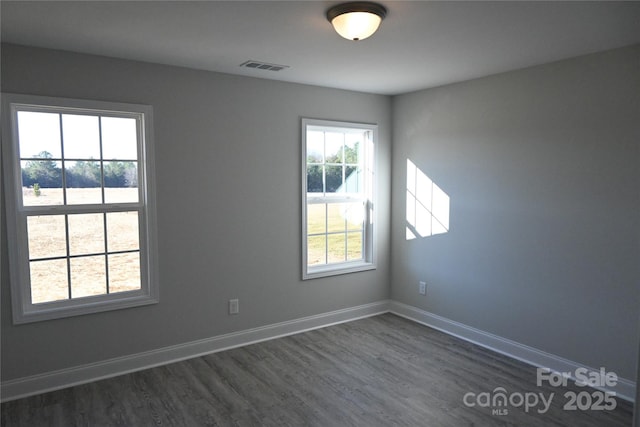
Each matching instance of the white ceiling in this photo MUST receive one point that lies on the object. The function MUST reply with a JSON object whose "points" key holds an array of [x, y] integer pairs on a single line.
{"points": [[420, 44]]}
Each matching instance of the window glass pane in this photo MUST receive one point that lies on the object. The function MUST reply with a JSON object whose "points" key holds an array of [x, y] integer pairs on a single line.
{"points": [[48, 280], [315, 146], [336, 217], [35, 196], [84, 182], [80, 196], [81, 137], [352, 144], [124, 272], [316, 218], [120, 174], [333, 179], [316, 250], [42, 182], [86, 234], [337, 248], [47, 238], [83, 174], [354, 213], [122, 231], [88, 276], [121, 182], [314, 179], [333, 147], [354, 246], [353, 179], [39, 134], [119, 138], [121, 195]]}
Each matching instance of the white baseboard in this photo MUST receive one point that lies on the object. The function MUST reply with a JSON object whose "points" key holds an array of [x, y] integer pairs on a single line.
{"points": [[28, 386], [625, 389]]}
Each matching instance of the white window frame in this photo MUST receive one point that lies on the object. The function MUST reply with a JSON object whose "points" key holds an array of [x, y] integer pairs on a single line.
{"points": [[368, 197], [24, 311]]}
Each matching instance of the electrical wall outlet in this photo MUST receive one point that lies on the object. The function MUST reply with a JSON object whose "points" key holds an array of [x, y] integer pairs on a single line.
{"points": [[234, 306], [422, 288]]}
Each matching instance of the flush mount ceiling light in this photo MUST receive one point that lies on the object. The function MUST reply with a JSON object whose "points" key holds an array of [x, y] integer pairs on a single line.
{"points": [[356, 20]]}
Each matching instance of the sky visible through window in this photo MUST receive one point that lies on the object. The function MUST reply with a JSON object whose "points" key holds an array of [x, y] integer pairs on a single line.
{"points": [[40, 132], [84, 153]]}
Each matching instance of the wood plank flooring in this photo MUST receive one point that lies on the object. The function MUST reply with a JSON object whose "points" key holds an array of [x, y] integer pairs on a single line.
{"points": [[379, 371]]}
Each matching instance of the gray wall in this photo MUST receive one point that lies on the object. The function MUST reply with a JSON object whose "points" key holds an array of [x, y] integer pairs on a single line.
{"points": [[228, 196], [542, 168]]}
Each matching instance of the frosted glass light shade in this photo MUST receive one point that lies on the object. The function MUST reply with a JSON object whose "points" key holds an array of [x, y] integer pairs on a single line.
{"points": [[356, 25], [356, 20]]}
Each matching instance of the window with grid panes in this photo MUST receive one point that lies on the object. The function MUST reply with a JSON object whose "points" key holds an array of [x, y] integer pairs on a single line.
{"points": [[338, 190], [81, 209]]}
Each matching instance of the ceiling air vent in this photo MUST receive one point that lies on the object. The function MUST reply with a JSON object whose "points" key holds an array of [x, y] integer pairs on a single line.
{"points": [[257, 65]]}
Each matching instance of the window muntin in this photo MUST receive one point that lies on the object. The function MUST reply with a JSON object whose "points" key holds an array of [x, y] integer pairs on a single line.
{"points": [[82, 205], [338, 161]]}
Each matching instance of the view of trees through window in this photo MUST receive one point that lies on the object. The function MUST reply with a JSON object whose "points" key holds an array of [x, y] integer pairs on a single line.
{"points": [[347, 155], [47, 173]]}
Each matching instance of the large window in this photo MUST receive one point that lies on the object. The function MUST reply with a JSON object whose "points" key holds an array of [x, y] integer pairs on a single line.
{"points": [[338, 192], [79, 205]]}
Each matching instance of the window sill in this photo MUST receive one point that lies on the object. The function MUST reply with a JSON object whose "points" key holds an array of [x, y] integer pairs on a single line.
{"points": [[80, 306], [337, 269]]}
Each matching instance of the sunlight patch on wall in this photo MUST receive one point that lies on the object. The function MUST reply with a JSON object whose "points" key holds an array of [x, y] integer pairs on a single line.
{"points": [[427, 205]]}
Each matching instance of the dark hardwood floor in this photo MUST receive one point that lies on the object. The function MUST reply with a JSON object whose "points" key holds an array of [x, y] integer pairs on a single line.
{"points": [[379, 371]]}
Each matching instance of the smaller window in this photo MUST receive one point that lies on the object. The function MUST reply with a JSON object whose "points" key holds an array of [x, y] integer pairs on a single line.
{"points": [[338, 194], [80, 206]]}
